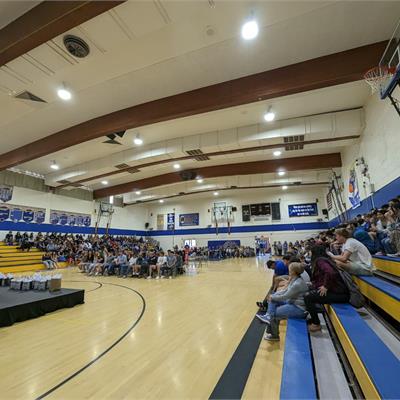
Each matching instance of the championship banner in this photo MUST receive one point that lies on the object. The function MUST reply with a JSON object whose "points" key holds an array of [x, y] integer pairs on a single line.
{"points": [[354, 193], [64, 218], [6, 193], [14, 213], [189, 219], [171, 221]]}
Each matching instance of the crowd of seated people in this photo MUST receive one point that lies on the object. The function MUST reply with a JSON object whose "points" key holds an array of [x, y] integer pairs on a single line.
{"points": [[231, 251], [311, 274]]}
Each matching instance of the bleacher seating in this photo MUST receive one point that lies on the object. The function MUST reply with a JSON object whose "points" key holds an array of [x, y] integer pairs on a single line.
{"points": [[14, 260], [389, 265], [297, 372], [377, 369]]}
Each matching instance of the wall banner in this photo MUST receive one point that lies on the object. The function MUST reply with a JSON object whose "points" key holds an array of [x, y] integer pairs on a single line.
{"points": [[14, 213], [354, 193], [65, 218], [160, 222], [6, 193], [171, 221]]}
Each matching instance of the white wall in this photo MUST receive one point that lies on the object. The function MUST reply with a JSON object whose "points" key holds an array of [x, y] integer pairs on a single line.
{"points": [[123, 218], [191, 204], [379, 145]]}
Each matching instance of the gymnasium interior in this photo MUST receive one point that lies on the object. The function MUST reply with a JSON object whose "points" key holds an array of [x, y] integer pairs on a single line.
{"points": [[199, 199]]}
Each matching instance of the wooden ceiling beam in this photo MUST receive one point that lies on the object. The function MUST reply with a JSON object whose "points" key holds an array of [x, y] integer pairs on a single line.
{"points": [[323, 161], [44, 22], [334, 69]]}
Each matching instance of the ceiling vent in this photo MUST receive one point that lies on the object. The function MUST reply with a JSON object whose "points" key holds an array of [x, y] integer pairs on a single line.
{"points": [[197, 155], [294, 142], [111, 137], [127, 168], [25, 95], [76, 46]]}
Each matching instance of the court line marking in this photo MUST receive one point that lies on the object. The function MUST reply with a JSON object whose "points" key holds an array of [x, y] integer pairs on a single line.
{"points": [[54, 388], [91, 290]]}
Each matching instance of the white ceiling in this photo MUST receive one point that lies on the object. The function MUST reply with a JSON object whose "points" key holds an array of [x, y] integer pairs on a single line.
{"points": [[141, 52], [145, 50]]}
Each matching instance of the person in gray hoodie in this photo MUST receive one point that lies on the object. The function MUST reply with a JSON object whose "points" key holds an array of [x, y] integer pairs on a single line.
{"points": [[287, 303]]}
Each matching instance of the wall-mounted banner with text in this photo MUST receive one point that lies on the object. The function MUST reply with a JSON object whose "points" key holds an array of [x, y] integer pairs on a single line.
{"points": [[14, 213], [69, 218], [6, 193], [189, 219]]}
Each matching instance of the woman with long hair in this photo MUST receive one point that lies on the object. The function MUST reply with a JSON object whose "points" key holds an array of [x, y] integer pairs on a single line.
{"points": [[327, 285]]}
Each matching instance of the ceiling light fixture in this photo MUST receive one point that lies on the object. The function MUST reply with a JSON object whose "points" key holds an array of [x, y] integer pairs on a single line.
{"points": [[281, 173], [250, 30], [104, 182], [138, 192], [138, 140], [200, 180], [269, 115], [63, 93], [161, 201], [177, 166], [284, 187], [277, 153], [54, 165], [216, 193]]}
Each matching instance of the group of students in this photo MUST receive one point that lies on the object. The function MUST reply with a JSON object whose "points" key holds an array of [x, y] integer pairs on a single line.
{"points": [[123, 263], [304, 281]]}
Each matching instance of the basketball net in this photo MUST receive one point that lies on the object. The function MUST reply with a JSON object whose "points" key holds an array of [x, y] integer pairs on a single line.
{"points": [[375, 77]]}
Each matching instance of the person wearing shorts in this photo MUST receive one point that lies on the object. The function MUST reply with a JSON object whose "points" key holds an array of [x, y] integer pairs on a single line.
{"points": [[355, 257]]}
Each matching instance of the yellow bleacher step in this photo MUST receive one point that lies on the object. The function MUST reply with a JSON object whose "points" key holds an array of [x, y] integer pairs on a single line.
{"points": [[388, 266], [29, 267]]}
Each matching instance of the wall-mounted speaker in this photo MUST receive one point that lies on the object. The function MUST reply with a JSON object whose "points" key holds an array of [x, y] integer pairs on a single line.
{"points": [[234, 209], [325, 212], [146, 225]]}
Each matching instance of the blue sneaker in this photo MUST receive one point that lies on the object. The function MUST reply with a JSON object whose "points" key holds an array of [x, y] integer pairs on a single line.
{"points": [[264, 318]]}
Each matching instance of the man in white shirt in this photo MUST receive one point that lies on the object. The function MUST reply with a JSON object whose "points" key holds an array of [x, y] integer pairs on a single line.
{"points": [[355, 257]]}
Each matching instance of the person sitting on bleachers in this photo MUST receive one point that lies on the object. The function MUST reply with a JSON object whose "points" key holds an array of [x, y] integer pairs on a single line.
{"points": [[152, 264], [286, 303], [393, 228], [327, 285], [359, 232], [170, 266], [161, 262], [355, 257], [9, 239]]}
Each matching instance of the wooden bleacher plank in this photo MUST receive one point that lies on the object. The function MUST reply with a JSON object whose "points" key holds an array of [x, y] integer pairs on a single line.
{"points": [[390, 265], [384, 294], [297, 372], [376, 367]]}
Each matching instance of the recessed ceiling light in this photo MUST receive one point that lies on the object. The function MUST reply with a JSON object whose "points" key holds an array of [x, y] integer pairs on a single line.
{"points": [[138, 140], [177, 166], [54, 165], [161, 201], [138, 192], [277, 153], [104, 182], [200, 180], [64, 94], [269, 115], [281, 173], [216, 193], [284, 187], [250, 30]]}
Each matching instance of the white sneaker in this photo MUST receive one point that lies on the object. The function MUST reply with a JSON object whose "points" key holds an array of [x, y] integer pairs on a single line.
{"points": [[163, 277], [170, 277], [271, 338], [149, 277], [157, 277]]}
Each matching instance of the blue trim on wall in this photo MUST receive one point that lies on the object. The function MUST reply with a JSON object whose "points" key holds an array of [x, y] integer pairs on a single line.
{"points": [[240, 229], [378, 199], [32, 227]]}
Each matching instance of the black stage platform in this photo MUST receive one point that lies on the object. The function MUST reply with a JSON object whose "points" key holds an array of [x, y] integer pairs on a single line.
{"points": [[17, 306]]}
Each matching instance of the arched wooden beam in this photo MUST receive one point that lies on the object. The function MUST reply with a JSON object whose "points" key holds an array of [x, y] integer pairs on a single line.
{"points": [[257, 167], [334, 69]]}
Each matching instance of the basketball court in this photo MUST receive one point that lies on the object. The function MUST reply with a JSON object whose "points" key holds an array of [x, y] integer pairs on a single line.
{"points": [[167, 168]]}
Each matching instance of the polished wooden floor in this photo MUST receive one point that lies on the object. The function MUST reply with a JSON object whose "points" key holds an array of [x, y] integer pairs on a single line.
{"points": [[182, 336]]}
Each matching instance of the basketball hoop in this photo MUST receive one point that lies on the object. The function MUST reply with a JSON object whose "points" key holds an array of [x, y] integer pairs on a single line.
{"points": [[376, 76]]}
